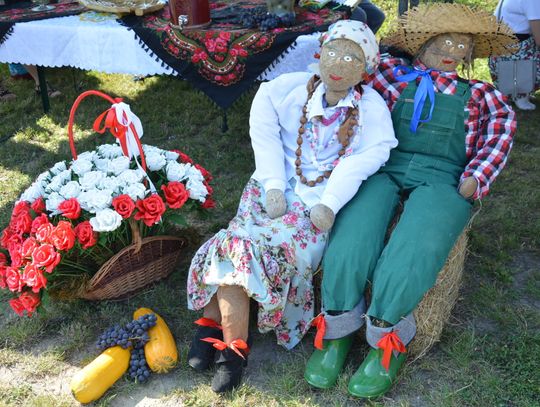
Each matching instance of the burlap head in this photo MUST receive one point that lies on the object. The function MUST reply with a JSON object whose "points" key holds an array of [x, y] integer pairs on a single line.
{"points": [[414, 28]]}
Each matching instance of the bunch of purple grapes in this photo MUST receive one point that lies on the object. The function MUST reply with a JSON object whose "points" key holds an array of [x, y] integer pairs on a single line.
{"points": [[259, 17], [135, 335]]}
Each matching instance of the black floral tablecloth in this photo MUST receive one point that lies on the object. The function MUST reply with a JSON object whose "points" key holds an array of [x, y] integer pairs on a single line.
{"points": [[224, 59]]}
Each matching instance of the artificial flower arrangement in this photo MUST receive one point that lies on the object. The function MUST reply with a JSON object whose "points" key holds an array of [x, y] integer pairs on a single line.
{"points": [[78, 214]]}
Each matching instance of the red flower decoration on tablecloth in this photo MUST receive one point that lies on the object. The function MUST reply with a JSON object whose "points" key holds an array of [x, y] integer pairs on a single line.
{"points": [[38, 206], [70, 208], [85, 234], [150, 209], [62, 236], [176, 194], [199, 55], [46, 256], [124, 205]]}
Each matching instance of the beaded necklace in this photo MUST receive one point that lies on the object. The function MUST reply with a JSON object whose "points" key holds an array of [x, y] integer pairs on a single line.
{"points": [[345, 133]]}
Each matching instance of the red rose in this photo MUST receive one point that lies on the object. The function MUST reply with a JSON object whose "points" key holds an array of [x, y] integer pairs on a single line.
{"points": [[176, 194], [20, 208], [62, 237], [3, 259], [13, 279], [17, 306], [46, 256], [85, 234], [34, 277], [124, 205], [10, 239], [70, 208], [150, 209], [43, 234], [21, 223], [38, 205], [3, 270], [183, 157], [16, 254], [205, 173], [39, 221], [209, 203], [28, 247], [30, 302], [208, 188]]}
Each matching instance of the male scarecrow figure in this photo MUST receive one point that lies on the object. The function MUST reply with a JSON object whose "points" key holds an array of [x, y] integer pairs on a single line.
{"points": [[454, 138]]}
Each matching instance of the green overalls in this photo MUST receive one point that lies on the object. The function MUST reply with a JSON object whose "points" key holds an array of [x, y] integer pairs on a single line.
{"points": [[426, 167]]}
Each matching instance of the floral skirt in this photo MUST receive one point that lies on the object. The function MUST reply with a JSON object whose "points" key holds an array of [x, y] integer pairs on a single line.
{"points": [[527, 50], [273, 259]]}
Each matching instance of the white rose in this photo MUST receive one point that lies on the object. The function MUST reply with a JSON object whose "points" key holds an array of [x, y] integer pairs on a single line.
{"points": [[119, 165], [151, 149], [135, 191], [91, 179], [110, 150], [111, 183], [65, 176], [81, 166], [106, 220], [176, 171], [87, 155], [58, 167], [54, 186], [131, 176], [52, 202], [197, 190], [102, 165], [155, 161], [171, 155], [32, 193], [71, 190], [95, 200]]}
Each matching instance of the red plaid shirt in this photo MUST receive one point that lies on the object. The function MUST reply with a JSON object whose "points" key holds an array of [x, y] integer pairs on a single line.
{"points": [[489, 127]]}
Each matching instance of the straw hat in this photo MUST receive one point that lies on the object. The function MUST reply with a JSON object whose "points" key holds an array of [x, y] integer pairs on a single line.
{"points": [[418, 25]]}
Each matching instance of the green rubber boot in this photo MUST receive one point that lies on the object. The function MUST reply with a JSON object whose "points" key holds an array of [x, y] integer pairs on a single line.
{"points": [[371, 380], [324, 366]]}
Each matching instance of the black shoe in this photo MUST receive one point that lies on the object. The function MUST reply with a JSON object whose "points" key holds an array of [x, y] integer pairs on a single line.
{"points": [[230, 367], [201, 354]]}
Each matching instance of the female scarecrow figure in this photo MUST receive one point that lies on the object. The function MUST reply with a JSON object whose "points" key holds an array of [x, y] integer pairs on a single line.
{"points": [[315, 139], [454, 138]]}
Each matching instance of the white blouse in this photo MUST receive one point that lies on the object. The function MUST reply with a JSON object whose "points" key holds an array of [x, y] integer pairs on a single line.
{"points": [[517, 13], [274, 122]]}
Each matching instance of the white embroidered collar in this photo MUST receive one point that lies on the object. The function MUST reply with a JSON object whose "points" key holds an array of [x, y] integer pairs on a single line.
{"points": [[315, 106]]}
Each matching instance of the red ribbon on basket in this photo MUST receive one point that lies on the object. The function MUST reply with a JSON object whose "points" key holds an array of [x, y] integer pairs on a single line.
{"points": [[237, 346], [119, 129], [388, 343]]}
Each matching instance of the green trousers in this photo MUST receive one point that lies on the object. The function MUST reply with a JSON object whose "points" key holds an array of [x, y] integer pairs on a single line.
{"points": [[425, 168]]}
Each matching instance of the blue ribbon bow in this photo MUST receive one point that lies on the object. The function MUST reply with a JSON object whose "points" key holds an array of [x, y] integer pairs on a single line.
{"points": [[425, 89]]}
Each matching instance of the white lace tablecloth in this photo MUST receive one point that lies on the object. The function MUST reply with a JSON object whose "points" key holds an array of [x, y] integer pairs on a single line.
{"points": [[96, 41]]}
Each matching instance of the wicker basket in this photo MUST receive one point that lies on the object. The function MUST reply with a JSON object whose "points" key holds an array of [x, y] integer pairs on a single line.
{"points": [[134, 267], [137, 265]]}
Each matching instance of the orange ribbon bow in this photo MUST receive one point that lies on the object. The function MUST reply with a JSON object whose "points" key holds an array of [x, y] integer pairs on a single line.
{"points": [[390, 342], [320, 325], [238, 345], [208, 322]]}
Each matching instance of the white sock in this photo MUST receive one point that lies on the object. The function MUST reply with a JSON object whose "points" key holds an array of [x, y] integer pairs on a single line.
{"points": [[523, 103]]}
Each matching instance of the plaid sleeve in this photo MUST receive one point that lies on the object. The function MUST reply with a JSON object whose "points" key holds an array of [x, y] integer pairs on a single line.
{"points": [[384, 81], [491, 128]]}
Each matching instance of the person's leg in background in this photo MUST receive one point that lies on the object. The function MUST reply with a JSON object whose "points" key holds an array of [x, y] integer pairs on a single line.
{"points": [[375, 16], [32, 70]]}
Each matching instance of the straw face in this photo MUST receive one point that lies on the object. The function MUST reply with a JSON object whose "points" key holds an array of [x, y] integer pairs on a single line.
{"points": [[418, 25]]}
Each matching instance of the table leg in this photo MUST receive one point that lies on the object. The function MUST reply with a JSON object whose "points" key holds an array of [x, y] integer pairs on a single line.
{"points": [[43, 89]]}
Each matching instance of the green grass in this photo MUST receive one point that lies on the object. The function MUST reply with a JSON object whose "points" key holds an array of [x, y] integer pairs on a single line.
{"points": [[487, 356]]}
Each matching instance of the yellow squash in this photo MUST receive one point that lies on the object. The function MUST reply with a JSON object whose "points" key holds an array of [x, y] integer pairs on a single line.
{"points": [[96, 378], [160, 351]]}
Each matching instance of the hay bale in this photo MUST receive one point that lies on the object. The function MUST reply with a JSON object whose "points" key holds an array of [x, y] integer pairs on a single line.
{"points": [[435, 308]]}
